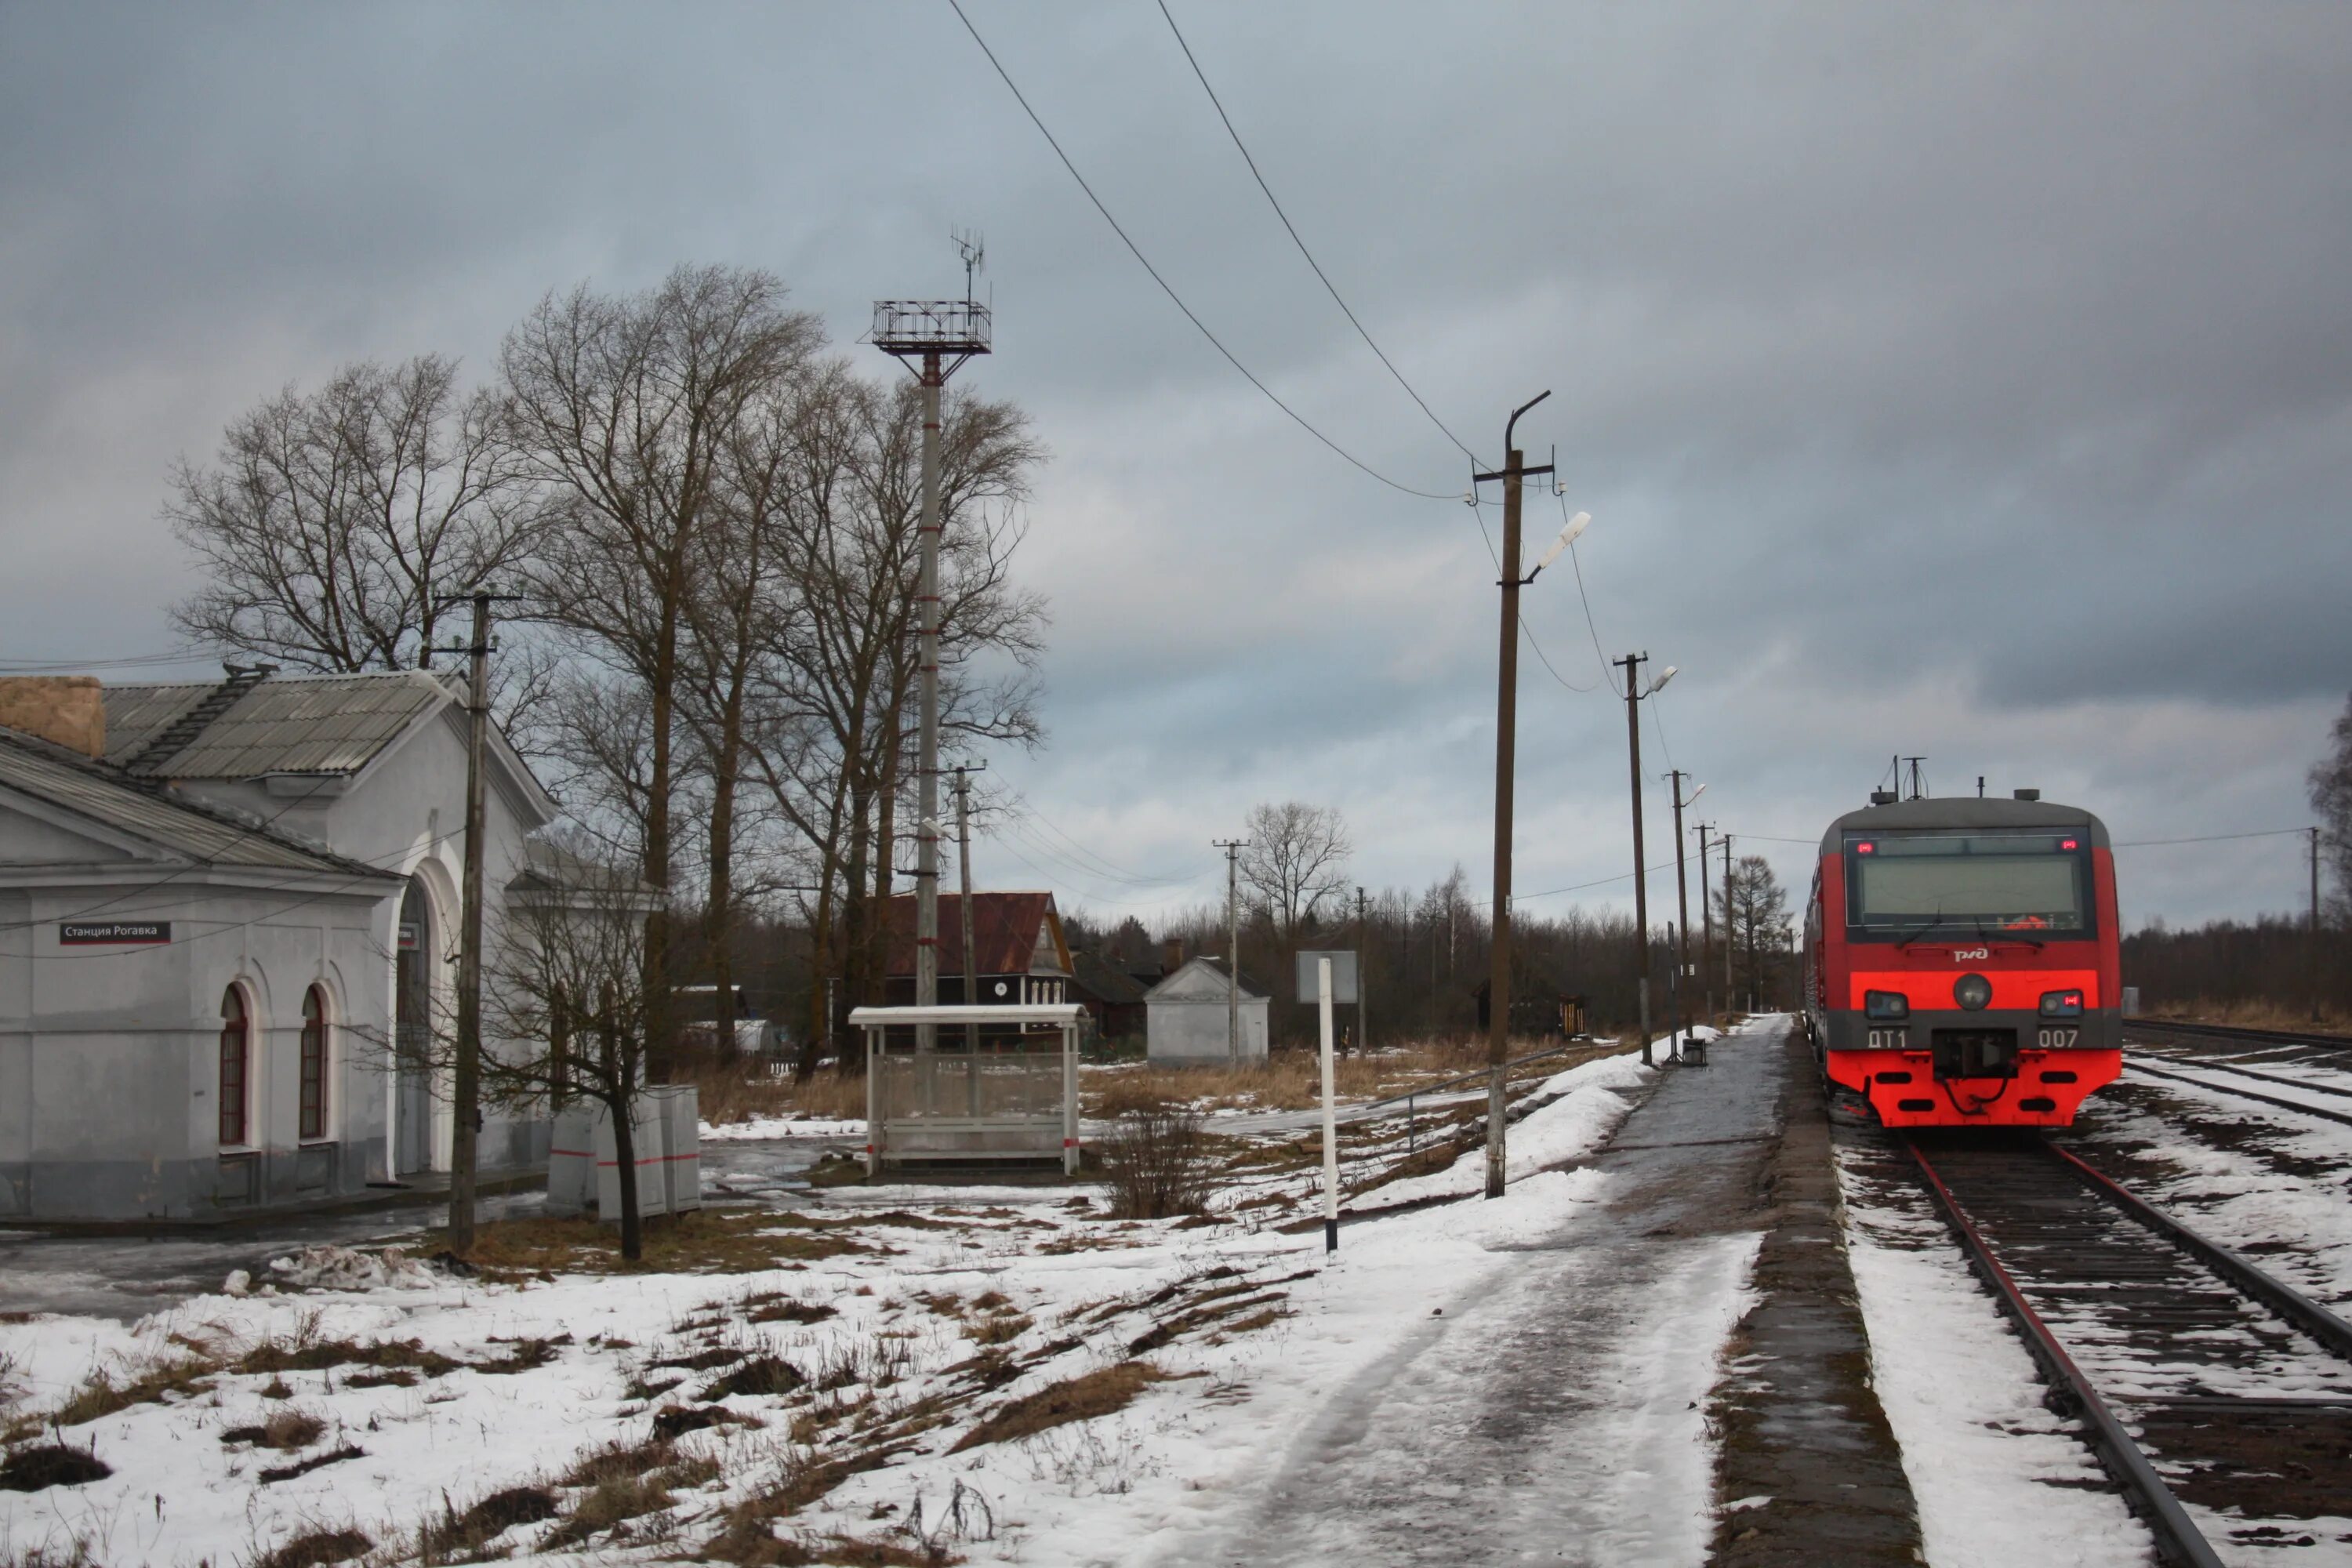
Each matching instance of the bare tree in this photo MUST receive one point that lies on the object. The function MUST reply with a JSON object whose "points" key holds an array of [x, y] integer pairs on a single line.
{"points": [[568, 1006], [1754, 909], [2331, 797], [621, 405], [338, 526], [1297, 857], [835, 692]]}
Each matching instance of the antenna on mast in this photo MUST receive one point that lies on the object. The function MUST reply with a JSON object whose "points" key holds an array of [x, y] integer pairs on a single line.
{"points": [[974, 251]]}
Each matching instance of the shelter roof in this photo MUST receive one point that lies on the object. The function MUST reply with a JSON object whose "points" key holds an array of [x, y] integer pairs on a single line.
{"points": [[180, 827], [1005, 933]]}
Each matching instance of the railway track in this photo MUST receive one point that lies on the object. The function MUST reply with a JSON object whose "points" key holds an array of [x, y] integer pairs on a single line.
{"points": [[2218, 1397], [2198, 1045]]}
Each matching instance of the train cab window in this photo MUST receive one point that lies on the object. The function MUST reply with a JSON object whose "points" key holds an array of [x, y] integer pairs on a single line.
{"points": [[1905, 885]]}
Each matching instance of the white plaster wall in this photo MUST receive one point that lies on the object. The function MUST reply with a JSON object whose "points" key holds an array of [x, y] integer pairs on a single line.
{"points": [[1192, 1032]]}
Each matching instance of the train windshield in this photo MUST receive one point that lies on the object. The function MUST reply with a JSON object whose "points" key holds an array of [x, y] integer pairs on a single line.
{"points": [[2034, 884]]}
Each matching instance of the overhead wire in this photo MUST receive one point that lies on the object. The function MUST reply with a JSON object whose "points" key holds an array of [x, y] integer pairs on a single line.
{"points": [[1168, 288], [1292, 229]]}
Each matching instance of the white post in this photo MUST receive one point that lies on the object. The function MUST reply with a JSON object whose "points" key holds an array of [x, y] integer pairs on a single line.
{"points": [[873, 1102], [1069, 1100], [1330, 1119]]}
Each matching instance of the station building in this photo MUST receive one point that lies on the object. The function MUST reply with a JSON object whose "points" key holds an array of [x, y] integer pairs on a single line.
{"points": [[227, 926]]}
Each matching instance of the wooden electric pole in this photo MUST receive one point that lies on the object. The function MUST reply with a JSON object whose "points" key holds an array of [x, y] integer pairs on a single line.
{"points": [[1632, 664], [1681, 910], [2313, 953], [1232, 848], [1705, 926], [1512, 474], [1363, 1032], [1730, 933], [466, 1086], [964, 916]]}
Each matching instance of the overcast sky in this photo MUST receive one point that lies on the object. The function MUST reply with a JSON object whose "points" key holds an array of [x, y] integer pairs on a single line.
{"points": [[1966, 381]]}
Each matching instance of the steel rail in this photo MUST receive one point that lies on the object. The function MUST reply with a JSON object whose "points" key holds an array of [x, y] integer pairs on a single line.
{"points": [[2202, 1065], [2295, 1105], [2178, 1537], [2240, 1032], [2275, 1293]]}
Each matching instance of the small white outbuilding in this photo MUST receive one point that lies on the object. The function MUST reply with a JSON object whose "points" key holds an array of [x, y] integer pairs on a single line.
{"points": [[1186, 1018]]}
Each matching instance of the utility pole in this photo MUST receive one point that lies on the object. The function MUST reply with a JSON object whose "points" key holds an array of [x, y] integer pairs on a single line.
{"points": [[1632, 664], [1498, 981], [465, 1088], [940, 335], [963, 876], [2313, 954], [1706, 924], [1731, 932], [1364, 1033], [1682, 911], [1232, 848]]}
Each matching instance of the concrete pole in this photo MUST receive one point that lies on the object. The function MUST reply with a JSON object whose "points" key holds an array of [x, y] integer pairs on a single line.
{"points": [[467, 1090], [927, 764], [1632, 664], [1498, 972]]}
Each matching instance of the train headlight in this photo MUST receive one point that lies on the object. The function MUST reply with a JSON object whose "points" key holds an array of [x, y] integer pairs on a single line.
{"points": [[2061, 1004], [1973, 992], [1886, 1004]]}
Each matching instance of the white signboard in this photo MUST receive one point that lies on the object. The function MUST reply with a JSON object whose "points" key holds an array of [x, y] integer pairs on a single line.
{"points": [[1343, 976]]}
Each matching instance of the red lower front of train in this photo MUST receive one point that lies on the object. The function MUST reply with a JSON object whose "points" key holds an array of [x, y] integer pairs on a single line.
{"points": [[2045, 1089]]}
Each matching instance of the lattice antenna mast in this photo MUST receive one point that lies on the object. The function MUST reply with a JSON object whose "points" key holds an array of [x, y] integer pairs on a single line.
{"points": [[932, 338]]}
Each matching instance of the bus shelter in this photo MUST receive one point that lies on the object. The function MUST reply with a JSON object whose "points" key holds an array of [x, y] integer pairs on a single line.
{"points": [[953, 1085]]}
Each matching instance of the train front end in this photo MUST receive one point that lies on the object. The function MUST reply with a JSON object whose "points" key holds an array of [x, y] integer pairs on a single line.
{"points": [[1961, 962]]}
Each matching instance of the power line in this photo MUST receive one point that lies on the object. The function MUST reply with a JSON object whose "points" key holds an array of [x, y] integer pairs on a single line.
{"points": [[1165, 288], [1329, 287]]}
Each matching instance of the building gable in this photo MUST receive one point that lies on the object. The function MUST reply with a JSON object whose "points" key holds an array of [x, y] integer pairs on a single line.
{"points": [[33, 831], [1198, 980]]}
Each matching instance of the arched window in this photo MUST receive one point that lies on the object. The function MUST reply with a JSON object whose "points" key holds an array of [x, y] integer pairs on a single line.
{"points": [[235, 1064], [314, 1063]]}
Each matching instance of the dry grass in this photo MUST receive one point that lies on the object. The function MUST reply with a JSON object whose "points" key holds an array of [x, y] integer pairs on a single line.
{"points": [[2254, 1015], [1103, 1392], [285, 1430], [705, 1241], [317, 1549], [739, 1091], [102, 1393], [1293, 1079]]}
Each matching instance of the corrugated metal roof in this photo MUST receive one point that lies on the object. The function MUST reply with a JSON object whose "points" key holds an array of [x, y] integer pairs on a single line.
{"points": [[286, 724], [50, 773]]}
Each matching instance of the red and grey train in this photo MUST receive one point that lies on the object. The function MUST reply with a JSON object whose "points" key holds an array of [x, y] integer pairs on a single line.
{"points": [[1961, 964]]}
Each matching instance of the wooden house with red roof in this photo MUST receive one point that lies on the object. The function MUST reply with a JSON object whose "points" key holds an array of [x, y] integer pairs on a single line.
{"points": [[1019, 954]]}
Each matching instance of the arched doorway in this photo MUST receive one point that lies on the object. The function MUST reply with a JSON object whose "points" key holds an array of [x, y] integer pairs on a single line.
{"points": [[412, 1100]]}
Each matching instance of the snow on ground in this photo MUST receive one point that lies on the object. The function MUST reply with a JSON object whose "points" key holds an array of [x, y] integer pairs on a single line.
{"points": [[2289, 1209], [764, 1127], [903, 1318], [1999, 1480], [1575, 1112]]}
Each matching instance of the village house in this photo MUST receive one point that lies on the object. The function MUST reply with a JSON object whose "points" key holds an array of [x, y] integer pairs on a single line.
{"points": [[1190, 1017], [228, 918], [1019, 954]]}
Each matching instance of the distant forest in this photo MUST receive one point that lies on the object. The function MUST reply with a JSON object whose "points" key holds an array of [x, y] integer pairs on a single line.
{"points": [[2267, 965]]}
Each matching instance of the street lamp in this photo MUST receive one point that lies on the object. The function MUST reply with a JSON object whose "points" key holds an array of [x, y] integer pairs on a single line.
{"points": [[1568, 534]]}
